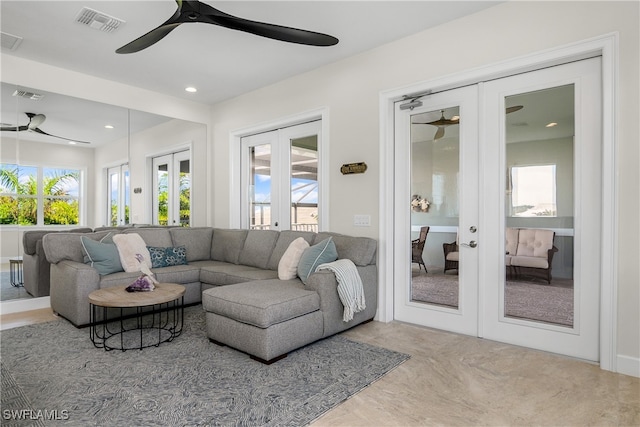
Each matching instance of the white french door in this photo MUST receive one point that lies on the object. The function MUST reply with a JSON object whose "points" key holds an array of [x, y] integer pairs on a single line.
{"points": [[172, 189], [119, 195], [437, 162], [280, 178], [516, 153], [545, 158]]}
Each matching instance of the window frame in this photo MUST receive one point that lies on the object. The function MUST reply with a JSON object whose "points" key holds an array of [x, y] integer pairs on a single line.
{"points": [[42, 198]]}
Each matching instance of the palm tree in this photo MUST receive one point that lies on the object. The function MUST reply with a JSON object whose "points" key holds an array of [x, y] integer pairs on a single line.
{"points": [[24, 210]]}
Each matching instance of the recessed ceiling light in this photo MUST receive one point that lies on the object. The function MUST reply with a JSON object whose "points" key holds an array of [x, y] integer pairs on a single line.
{"points": [[108, 126], [191, 89], [72, 143], [552, 124]]}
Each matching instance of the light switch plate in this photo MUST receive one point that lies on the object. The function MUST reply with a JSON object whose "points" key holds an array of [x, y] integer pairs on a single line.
{"points": [[362, 220]]}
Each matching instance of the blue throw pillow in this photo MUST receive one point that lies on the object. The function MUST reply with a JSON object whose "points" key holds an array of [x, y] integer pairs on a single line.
{"points": [[166, 257], [312, 257], [102, 256]]}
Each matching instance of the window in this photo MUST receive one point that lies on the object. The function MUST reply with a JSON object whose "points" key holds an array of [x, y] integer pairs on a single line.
{"points": [[533, 191], [37, 196]]}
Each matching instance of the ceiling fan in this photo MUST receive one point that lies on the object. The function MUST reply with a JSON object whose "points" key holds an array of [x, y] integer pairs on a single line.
{"points": [[35, 120], [442, 122], [196, 11]]}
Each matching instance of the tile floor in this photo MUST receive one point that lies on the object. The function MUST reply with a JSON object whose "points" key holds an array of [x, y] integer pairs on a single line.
{"points": [[455, 380]]}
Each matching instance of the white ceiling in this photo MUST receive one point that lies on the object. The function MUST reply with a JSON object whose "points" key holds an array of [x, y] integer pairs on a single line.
{"points": [[221, 63]]}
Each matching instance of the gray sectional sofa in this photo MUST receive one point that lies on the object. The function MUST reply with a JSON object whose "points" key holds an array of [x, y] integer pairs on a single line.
{"points": [[35, 264], [234, 274]]}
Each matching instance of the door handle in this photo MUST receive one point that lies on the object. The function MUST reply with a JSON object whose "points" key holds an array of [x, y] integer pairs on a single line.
{"points": [[471, 244]]}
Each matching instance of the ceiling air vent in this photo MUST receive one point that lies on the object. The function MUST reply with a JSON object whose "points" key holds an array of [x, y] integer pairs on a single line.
{"points": [[28, 95], [98, 20], [9, 41]]}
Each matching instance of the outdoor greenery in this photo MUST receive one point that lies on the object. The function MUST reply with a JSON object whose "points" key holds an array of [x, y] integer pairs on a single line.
{"points": [[19, 196], [163, 199]]}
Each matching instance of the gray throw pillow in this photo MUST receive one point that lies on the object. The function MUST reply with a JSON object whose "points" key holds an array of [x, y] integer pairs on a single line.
{"points": [[101, 255], [323, 252]]}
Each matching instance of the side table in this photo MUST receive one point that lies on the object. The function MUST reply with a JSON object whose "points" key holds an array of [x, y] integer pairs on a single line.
{"points": [[154, 317], [15, 272]]}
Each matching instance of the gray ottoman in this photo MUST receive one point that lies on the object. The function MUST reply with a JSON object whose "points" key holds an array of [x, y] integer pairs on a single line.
{"points": [[266, 318]]}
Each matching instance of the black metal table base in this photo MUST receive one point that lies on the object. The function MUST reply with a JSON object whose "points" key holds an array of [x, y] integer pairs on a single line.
{"points": [[15, 272], [149, 326]]}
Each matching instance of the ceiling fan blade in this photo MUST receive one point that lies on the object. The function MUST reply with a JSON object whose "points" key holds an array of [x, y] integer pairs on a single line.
{"points": [[196, 11], [151, 38], [14, 128], [276, 32], [40, 131], [439, 133], [513, 109]]}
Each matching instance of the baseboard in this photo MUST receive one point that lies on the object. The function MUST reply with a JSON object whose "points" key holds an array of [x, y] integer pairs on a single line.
{"points": [[26, 304], [628, 365]]}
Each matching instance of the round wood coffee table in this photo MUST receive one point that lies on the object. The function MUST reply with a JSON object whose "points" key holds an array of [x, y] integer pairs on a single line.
{"points": [[141, 319]]}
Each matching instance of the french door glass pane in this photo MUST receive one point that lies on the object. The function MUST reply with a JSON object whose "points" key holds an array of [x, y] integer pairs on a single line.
{"points": [[127, 194], [114, 197], [185, 193], [162, 172], [304, 183], [539, 211], [434, 205], [260, 187]]}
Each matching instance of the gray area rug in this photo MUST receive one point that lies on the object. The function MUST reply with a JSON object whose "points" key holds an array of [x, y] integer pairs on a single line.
{"points": [[528, 300], [54, 367]]}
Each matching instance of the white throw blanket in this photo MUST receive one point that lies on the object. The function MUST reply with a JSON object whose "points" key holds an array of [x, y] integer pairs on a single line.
{"points": [[350, 288]]}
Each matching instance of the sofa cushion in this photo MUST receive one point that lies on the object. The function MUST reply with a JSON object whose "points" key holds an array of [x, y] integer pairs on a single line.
{"points": [[288, 266], [511, 240], [360, 250], [181, 274], [197, 241], [62, 246], [284, 240], [129, 247], [227, 244], [320, 253], [534, 242], [529, 261], [153, 236], [261, 304], [166, 257], [258, 247], [222, 273], [102, 255], [30, 238]]}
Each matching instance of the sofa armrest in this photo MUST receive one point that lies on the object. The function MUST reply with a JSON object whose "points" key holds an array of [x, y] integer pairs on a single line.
{"points": [[71, 284], [325, 284]]}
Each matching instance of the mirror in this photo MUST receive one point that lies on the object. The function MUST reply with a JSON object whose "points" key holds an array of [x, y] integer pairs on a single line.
{"points": [[57, 163]]}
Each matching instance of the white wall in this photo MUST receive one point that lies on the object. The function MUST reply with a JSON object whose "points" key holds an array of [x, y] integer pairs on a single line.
{"points": [[350, 89]]}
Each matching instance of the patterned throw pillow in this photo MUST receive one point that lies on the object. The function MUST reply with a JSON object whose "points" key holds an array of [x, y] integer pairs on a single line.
{"points": [[166, 257]]}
